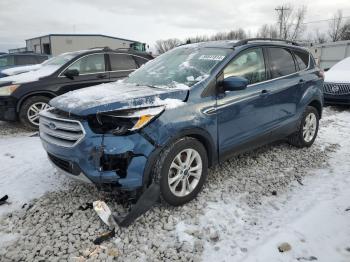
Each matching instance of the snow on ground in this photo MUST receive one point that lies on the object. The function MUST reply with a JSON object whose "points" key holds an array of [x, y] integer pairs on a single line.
{"points": [[249, 206], [312, 219], [25, 172]]}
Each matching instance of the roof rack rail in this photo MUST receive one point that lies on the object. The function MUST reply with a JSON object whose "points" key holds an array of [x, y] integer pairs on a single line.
{"points": [[104, 48], [245, 41]]}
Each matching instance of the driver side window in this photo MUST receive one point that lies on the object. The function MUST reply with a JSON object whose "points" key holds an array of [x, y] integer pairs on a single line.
{"points": [[249, 64], [89, 64]]}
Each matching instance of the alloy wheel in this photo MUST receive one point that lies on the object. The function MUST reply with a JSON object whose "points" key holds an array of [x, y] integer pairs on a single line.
{"points": [[185, 172], [34, 110], [309, 127]]}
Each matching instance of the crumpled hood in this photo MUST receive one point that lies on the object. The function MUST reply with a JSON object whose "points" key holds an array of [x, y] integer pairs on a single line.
{"points": [[115, 96]]}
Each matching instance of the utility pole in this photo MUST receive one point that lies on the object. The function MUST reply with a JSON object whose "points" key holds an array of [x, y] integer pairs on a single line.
{"points": [[281, 11]]}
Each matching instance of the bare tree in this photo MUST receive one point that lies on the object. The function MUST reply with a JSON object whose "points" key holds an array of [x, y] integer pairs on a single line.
{"points": [[165, 45], [320, 38], [345, 32], [231, 35], [267, 31], [335, 26], [291, 21]]}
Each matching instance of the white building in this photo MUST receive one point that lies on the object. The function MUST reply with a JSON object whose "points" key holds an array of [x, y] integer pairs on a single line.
{"points": [[55, 44], [328, 54]]}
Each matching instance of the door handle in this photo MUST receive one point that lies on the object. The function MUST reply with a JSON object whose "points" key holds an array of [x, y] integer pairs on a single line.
{"points": [[101, 76], [302, 81]]}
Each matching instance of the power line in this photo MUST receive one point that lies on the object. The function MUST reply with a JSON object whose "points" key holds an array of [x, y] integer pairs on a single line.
{"points": [[325, 20]]}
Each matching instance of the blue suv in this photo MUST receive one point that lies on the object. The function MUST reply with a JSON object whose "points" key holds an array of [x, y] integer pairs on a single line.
{"points": [[183, 112]]}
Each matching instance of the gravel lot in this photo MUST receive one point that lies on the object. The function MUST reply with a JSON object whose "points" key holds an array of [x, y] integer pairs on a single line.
{"points": [[53, 228]]}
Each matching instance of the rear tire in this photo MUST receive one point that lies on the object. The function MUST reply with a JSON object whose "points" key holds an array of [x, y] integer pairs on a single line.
{"points": [[307, 130], [181, 171], [30, 109]]}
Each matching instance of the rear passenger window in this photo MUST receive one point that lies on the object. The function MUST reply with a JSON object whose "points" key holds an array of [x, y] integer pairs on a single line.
{"points": [[249, 64], [122, 62], [25, 60], [302, 59], [281, 62]]}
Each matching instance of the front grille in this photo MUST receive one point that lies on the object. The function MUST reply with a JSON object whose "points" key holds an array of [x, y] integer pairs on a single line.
{"points": [[60, 131], [336, 89]]}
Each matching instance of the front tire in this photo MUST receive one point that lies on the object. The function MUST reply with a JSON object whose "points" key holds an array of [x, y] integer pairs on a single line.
{"points": [[308, 129], [181, 171], [30, 109]]}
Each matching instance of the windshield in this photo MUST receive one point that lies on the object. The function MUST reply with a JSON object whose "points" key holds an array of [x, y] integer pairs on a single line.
{"points": [[60, 60], [7, 60], [181, 67]]}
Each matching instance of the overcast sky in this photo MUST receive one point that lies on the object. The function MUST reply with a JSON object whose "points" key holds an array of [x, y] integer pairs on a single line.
{"points": [[145, 20]]}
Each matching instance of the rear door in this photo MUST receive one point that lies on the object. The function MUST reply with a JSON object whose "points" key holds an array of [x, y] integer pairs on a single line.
{"points": [[92, 71], [244, 116], [285, 86], [121, 65]]}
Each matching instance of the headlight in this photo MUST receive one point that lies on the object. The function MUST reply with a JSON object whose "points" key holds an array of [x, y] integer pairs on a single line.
{"points": [[120, 122], [8, 90]]}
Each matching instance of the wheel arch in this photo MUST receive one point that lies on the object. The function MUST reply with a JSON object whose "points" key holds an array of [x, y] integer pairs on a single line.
{"points": [[197, 133], [24, 98], [316, 104]]}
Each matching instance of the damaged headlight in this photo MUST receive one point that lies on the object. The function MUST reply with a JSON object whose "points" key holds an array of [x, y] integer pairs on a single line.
{"points": [[120, 122]]}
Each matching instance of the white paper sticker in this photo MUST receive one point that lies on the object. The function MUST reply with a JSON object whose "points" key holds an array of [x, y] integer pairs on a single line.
{"points": [[212, 57]]}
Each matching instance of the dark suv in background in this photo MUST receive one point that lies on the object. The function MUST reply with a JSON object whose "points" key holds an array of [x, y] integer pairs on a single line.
{"points": [[19, 59], [23, 96], [185, 111]]}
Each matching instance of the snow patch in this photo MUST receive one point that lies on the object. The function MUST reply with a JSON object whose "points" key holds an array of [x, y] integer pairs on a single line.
{"points": [[25, 172], [20, 69], [30, 76]]}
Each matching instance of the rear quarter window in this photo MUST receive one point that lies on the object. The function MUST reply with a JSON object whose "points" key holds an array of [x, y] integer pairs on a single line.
{"points": [[302, 59], [140, 60], [281, 62]]}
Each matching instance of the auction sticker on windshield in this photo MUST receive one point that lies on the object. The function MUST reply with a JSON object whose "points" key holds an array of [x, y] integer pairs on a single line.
{"points": [[212, 57]]}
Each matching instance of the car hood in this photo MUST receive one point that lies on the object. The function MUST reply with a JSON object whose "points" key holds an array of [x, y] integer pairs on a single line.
{"points": [[337, 76], [30, 76], [116, 96], [19, 69]]}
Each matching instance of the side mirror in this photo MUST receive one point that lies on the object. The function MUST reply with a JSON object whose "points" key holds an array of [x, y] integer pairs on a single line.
{"points": [[234, 83], [71, 73]]}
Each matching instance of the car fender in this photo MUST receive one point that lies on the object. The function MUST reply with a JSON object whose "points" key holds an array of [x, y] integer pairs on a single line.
{"points": [[196, 132], [313, 94]]}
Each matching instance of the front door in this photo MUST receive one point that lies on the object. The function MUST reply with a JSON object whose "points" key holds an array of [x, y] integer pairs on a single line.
{"points": [[244, 116], [92, 71]]}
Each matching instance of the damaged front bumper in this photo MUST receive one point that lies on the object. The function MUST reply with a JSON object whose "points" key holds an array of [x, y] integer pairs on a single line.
{"points": [[101, 159]]}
